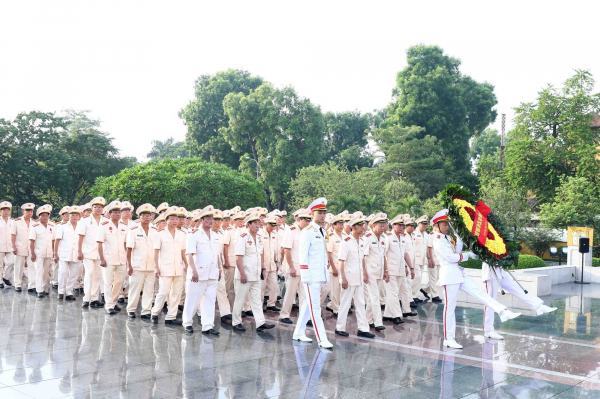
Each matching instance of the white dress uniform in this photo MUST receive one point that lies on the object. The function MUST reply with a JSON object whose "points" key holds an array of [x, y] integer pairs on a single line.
{"points": [[269, 284], [293, 285], [142, 262], [333, 247], [222, 297], [42, 235], [68, 265], [251, 250], [202, 294], [314, 275], [124, 293], [6, 249], [20, 230], [229, 240], [113, 237], [397, 289], [352, 252], [88, 228], [375, 249], [433, 288]]}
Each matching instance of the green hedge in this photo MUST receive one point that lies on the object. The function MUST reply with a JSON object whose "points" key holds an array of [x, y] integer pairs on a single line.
{"points": [[525, 262], [595, 262]]}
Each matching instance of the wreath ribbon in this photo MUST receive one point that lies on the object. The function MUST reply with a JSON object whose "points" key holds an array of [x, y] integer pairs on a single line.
{"points": [[480, 224]]}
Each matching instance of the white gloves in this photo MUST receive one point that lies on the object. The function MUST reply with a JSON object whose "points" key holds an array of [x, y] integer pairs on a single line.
{"points": [[471, 255]]}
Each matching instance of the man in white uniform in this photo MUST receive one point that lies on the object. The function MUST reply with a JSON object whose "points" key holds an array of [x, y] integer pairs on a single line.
{"points": [[269, 284], [126, 219], [20, 244], [65, 216], [453, 278], [41, 235], [66, 240], [433, 268], [6, 253], [333, 249], [313, 273]]}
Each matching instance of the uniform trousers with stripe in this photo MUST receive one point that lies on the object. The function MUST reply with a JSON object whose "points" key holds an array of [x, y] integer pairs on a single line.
{"points": [[42, 273], [334, 292], [67, 274], [7, 260], [310, 309], [511, 286], [91, 280], [293, 285], [352, 292], [472, 288], [250, 289], [433, 289], [392, 298], [170, 289], [201, 294], [416, 282], [373, 301], [113, 275], [222, 298], [269, 287], [141, 280], [20, 269]]}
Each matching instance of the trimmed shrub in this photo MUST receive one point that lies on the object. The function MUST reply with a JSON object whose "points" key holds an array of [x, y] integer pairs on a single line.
{"points": [[595, 262], [525, 262]]}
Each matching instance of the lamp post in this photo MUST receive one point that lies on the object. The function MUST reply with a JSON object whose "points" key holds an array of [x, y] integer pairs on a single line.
{"points": [[258, 163]]}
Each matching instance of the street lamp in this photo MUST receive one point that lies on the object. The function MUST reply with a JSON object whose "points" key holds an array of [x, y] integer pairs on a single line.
{"points": [[258, 164]]}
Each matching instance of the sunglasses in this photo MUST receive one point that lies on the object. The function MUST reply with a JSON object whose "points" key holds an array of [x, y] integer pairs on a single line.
{"points": [[307, 219], [359, 224], [273, 224]]}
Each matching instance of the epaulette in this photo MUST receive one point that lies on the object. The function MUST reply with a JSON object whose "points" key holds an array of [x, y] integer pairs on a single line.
{"points": [[389, 234], [17, 219], [36, 224], [308, 227], [161, 229], [121, 222], [85, 217], [293, 228], [195, 230], [243, 235], [347, 238], [153, 226], [103, 223], [51, 223], [133, 228], [368, 235]]}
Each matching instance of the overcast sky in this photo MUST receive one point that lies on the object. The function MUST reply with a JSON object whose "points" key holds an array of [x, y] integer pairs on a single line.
{"points": [[133, 64]]}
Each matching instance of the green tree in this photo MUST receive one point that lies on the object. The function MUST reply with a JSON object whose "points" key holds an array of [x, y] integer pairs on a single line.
{"points": [[346, 138], [484, 145], [372, 203], [204, 116], [553, 139], [187, 182], [341, 203], [410, 205], [414, 157], [432, 93], [278, 124], [538, 239], [432, 205], [168, 149], [575, 204]]}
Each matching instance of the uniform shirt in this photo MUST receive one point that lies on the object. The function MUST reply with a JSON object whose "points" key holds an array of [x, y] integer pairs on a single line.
{"points": [[169, 256], [280, 236], [421, 240], [352, 252], [207, 249], [312, 254], [333, 247], [375, 249], [270, 249], [229, 240], [141, 244], [5, 235], [291, 240], [113, 239], [430, 245], [395, 255], [20, 229], [252, 250], [88, 228], [220, 235], [69, 239], [449, 254], [43, 238], [410, 247]]}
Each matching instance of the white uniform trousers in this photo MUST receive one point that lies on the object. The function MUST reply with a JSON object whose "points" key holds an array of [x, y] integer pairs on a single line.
{"points": [[7, 260], [472, 288], [392, 298], [113, 276], [511, 286], [433, 289], [293, 285], [382, 292], [310, 309], [91, 280], [406, 294], [334, 292], [80, 275], [372, 301], [42, 273], [222, 299], [201, 294], [269, 287], [55, 271], [356, 293], [125, 290], [416, 282], [170, 290], [20, 269], [229, 275], [241, 292], [67, 274], [141, 281]]}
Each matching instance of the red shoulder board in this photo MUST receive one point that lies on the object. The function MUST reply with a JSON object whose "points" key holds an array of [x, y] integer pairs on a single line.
{"points": [[195, 230], [438, 236], [121, 222], [133, 228], [347, 239], [368, 235], [103, 223], [293, 228], [389, 234], [243, 235], [161, 229]]}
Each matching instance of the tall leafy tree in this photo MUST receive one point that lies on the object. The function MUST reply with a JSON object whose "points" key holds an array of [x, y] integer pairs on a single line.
{"points": [[346, 138], [553, 139], [486, 144], [432, 93], [204, 116], [168, 149]]}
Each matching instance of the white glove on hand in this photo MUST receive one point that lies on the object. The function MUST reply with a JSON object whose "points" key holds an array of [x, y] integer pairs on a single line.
{"points": [[471, 255], [459, 242]]}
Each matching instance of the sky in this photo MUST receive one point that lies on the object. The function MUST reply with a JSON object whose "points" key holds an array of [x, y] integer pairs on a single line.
{"points": [[133, 63]]}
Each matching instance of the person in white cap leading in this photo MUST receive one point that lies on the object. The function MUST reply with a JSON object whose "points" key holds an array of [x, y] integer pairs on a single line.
{"points": [[313, 274], [41, 236], [453, 278]]}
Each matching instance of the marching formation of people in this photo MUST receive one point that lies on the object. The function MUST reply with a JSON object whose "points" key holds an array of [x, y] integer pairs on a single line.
{"points": [[188, 261]]}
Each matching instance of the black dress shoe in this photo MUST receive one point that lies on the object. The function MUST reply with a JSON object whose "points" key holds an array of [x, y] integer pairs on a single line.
{"points": [[8, 283], [111, 311], [365, 334], [295, 307], [249, 313], [342, 333], [286, 321], [131, 315], [239, 327], [437, 299], [397, 320], [18, 289], [226, 318], [417, 300], [70, 298], [382, 307], [29, 289], [387, 319], [61, 296], [180, 307], [40, 295], [413, 305], [279, 298], [121, 300], [329, 309], [264, 327], [210, 332], [117, 308], [174, 322], [426, 295], [85, 305], [154, 319], [409, 314], [54, 287], [95, 304], [379, 328], [189, 329], [145, 316], [273, 309], [309, 323], [243, 313], [372, 325], [335, 315], [350, 311]]}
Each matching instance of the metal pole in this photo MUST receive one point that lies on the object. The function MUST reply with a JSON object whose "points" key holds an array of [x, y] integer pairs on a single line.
{"points": [[497, 279], [517, 281], [502, 143]]}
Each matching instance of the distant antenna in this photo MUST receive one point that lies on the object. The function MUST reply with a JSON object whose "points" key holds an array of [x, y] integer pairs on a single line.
{"points": [[502, 146]]}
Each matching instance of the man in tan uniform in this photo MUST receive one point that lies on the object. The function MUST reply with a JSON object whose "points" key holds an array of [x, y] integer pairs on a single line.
{"points": [[6, 253], [66, 241], [229, 248], [127, 220], [20, 244], [433, 289], [222, 298], [333, 249], [375, 269], [64, 216], [269, 283], [411, 249], [41, 235]]}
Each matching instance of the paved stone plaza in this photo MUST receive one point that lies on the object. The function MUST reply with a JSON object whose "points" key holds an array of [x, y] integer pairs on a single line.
{"points": [[51, 350]]}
